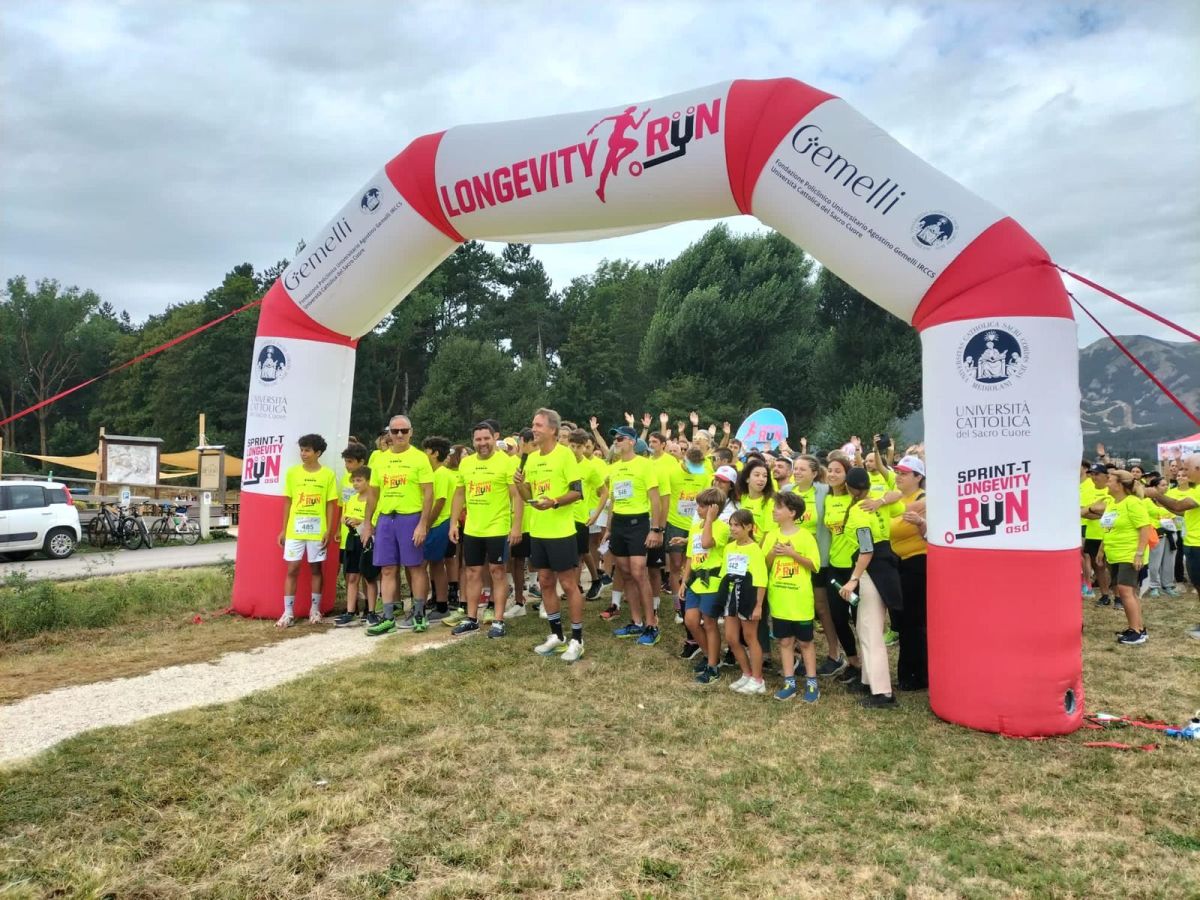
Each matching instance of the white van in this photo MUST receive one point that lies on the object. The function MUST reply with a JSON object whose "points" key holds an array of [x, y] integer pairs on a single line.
{"points": [[37, 515]]}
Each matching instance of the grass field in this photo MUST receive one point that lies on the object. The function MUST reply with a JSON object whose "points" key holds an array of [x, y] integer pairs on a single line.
{"points": [[481, 770]]}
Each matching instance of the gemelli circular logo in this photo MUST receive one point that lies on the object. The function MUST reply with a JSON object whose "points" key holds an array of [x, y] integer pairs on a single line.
{"points": [[991, 357], [271, 364], [370, 200], [933, 230]]}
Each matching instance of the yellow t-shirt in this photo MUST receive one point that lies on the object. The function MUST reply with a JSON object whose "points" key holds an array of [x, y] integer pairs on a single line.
{"points": [[1092, 530], [485, 494], [808, 521], [592, 477], [1121, 523], [881, 484], [762, 508], [1191, 517], [630, 481], [665, 466], [550, 475], [444, 483], [905, 537], [841, 544], [1087, 496], [860, 518], [745, 559], [710, 559], [399, 477], [685, 487], [309, 492], [789, 584], [354, 508]]}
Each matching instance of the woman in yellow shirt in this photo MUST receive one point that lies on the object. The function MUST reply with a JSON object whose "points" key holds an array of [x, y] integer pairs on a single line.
{"points": [[754, 484], [1126, 535], [908, 543]]}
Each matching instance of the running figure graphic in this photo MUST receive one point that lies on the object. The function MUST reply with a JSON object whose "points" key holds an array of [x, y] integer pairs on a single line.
{"points": [[619, 145]]}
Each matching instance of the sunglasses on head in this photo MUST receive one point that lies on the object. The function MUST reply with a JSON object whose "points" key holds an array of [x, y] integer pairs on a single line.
{"points": [[399, 430]]}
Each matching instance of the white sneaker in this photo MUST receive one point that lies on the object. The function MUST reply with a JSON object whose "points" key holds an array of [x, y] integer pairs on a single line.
{"points": [[287, 620], [542, 614], [678, 619], [740, 683], [753, 686], [514, 612], [548, 646], [573, 652], [314, 616], [1195, 633]]}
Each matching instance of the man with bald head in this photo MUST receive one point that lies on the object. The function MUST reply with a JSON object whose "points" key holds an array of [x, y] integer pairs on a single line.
{"points": [[1187, 504]]}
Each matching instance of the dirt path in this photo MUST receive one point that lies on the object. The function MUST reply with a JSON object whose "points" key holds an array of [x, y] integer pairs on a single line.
{"points": [[39, 722]]}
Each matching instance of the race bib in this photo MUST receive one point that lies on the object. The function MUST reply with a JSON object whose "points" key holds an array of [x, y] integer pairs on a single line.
{"points": [[1167, 524], [1108, 520], [697, 546], [739, 563], [686, 508], [623, 490], [307, 525]]}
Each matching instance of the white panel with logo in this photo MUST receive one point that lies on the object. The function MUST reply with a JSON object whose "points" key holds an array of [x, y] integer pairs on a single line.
{"points": [[584, 174], [1002, 433], [348, 289], [881, 218], [296, 387]]}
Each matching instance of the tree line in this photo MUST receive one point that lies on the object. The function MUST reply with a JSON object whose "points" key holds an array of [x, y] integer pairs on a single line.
{"points": [[733, 323]]}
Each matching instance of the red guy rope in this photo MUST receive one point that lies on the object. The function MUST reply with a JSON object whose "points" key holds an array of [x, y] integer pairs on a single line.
{"points": [[1155, 316]]}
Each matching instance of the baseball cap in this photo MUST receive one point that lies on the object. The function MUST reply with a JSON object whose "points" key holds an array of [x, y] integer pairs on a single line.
{"points": [[858, 479], [640, 447], [726, 473], [1098, 469], [912, 464], [623, 431]]}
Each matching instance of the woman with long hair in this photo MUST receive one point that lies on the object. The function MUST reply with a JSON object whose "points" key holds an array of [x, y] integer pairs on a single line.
{"points": [[841, 562], [756, 490], [1123, 548]]}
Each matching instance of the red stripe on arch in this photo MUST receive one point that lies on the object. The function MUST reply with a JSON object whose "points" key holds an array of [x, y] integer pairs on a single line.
{"points": [[281, 317], [413, 172], [759, 114]]}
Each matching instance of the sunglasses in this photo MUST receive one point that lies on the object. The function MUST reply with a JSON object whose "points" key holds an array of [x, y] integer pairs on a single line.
{"points": [[399, 430]]}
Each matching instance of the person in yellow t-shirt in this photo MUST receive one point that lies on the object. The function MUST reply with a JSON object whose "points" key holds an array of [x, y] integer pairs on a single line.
{"points": [[437, 541], [743, 595], [1092, 532], [592, 480], [1124, 548], [662, 560], [1185, 501], [754, 483], [704, 546], [842, 547], [548, 481], [398, 519], [309, 514], [636, 528], [494, 516], [356, 559], [793, 557]]}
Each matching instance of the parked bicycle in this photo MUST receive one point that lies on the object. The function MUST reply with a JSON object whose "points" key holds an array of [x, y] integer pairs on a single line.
{"points": [[113, 525], [174, 525]]}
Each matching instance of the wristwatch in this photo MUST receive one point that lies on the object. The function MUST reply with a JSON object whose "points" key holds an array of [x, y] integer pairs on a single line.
{"points": [[658, 530], [554, 500]]}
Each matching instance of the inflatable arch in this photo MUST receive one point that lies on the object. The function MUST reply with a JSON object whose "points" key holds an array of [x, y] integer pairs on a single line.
{"points": [[1001, 394]]}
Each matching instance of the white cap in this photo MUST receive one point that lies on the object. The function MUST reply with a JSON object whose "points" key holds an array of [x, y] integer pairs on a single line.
{"points": [[912, 464], [726, 473]]}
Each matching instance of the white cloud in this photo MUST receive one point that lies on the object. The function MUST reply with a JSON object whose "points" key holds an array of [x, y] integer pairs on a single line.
{"points": [[145, 149]]}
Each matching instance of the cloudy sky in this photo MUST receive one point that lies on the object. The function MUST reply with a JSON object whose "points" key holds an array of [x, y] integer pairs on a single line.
{"points": [[146, 148]]}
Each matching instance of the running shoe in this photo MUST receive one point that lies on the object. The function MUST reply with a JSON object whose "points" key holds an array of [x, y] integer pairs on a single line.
{"points": [[753, 686], [466, 626], [1087, 593], [1117, 604], [1170, 592], [435, 616], [385, 626], [678, 619], [649, 637], [314, 616], [1104, 600], [1195, 633], [690, 650], [879, 701], [455, 618], [593, 591], [549, 646], [890, 638], [740, 683], [515, 611], [729, 660], [700, 665], [573, 652], [287, 620], [811, 691], [542, 614], [708, 676], [633, 629], [373, 618], [1130, 637], [850, 675], [408, 623], [788, 691], [497, 630], [420, 625], [1154, 593], [346, 619], [611, 613], [535, 590], [830, 666]]}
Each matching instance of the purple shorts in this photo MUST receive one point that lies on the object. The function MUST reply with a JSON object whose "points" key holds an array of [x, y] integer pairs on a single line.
{"points": [[393, 541]]}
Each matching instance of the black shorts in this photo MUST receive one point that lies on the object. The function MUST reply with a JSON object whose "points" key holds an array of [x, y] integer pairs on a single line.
{"points": [[452, 547], [627, 534], [582, 538], [1125, 574], [738, 596], [521, 550], [820, 579], [480, 550], [356, 560], [1091, 546], [786, 628], [556, 554]]}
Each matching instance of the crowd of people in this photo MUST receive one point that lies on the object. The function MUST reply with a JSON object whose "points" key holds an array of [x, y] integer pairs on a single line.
{"points": [[753, 549]]}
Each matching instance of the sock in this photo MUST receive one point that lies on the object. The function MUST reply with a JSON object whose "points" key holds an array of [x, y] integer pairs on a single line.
{"points": [[617, 597], [556, 625], [577, 631], [316, 602], [473, 620], [419, 609], [657, 597], [389, 610], [812, 680], [289, 604]]}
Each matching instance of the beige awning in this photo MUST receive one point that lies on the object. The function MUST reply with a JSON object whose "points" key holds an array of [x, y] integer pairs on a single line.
{"points": [[190, 459]]}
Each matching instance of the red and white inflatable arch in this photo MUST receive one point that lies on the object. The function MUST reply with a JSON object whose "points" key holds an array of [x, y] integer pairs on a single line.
{"points": [[1001, 393]]}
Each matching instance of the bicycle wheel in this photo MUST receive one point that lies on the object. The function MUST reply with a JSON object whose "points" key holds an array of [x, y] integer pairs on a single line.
{"points": [[97, 531], [144, 533], [131, 537], [159, 531], [190, 533]]}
